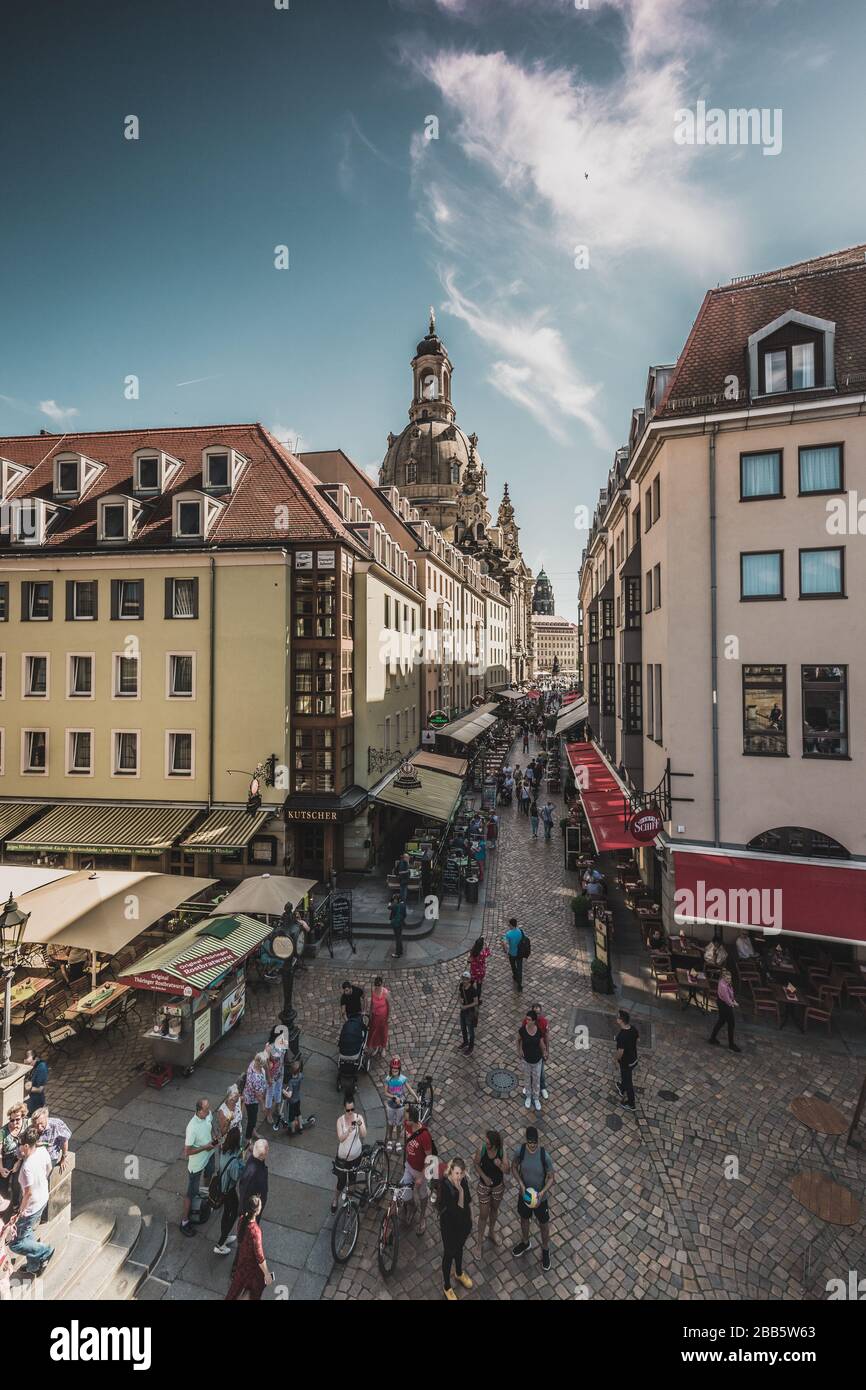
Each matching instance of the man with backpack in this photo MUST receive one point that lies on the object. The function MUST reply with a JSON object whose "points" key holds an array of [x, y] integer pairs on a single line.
{"points": [[532, 1166], [416, 1153], [516, 945]]}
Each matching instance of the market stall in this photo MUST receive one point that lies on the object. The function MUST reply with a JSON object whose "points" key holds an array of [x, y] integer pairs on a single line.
{"points": [[199, 979]]}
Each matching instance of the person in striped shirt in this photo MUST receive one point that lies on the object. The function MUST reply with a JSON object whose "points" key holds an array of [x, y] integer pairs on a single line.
{"points": [[727, 1003]]}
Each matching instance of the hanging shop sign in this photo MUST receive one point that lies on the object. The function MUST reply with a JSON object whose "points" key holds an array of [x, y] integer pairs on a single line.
{"points": [[645, 825], [438, 719]]}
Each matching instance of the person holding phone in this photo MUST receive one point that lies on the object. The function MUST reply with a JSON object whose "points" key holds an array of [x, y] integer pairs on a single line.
{"points": [[351, 1133]]}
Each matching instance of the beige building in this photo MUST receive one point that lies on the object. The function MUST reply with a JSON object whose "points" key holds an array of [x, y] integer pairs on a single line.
{"points": [[724, 641], [555, 646]]}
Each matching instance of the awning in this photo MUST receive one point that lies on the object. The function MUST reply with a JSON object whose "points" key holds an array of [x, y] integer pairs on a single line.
{"points": [[456, 727], [267, 893], [18, 879], [128, 829], [602, 796], [572, 715], [198, 957], [822, 899], [15, 813], [223, 830], [105, 910], [510, 695], [435, 799], [440, 762], [470, 732]]}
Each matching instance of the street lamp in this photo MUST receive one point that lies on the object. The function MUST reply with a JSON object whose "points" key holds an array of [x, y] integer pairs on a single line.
{"points": [[12, 924]]}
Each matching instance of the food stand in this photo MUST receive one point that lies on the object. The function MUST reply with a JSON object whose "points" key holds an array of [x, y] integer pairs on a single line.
{"points": [[200, 980]]}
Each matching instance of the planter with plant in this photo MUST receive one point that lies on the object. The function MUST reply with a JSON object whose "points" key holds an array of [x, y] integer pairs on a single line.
{"points": [[580, 908], [600, 978]]}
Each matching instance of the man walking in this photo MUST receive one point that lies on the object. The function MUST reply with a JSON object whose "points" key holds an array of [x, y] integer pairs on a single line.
{"points": [[397, 915], [626, 1055], [727, 1003], [532, 1166], [404, 872], [532, 1050], [547, 819], [199, 1147], [512, 941]]}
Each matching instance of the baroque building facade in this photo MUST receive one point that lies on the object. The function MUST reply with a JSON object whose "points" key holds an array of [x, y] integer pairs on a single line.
{"points": [[436, 466]]}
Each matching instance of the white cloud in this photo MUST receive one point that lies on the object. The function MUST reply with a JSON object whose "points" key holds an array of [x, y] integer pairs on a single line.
{"points": [[292, 437], [57, 412], [532, 366]]}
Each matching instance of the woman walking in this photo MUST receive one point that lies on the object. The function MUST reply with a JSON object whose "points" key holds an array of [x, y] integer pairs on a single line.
{"points": [[250, 1273], [455, 1224], [468, 1012], [255, 1090], [533, 817], [479, 955], [490, 1165], [380, 1012], [230, 1169]]}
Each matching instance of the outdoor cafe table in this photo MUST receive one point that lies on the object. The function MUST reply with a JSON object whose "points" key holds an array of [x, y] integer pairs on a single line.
{"points": [[28, 987], [89, 1005], [694, 986], [821, 1119], [788, 1003]]}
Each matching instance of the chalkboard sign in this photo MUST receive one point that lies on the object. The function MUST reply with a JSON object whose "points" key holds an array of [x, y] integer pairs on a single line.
{"points": [[452, 880], [341, 915]]}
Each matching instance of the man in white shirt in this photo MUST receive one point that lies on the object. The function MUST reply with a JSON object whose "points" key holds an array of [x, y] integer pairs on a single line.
{"points": [[33, 1176]]}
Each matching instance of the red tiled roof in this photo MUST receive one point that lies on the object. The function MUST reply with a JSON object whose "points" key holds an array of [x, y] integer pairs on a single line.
{"points": [[830, 287], [274, 477]]}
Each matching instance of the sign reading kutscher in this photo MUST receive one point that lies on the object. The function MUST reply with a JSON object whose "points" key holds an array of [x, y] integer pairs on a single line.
{"points": [[645, 825]]}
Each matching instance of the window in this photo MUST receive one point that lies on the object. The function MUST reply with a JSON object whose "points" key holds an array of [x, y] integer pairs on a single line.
{"points": [[607, 618], [593, 625], [314, 760], [181, 598], [657, 716], [35, 677], [649, 592], [179, 755], [608, 688], [650, 700], [34, 752], [148, 471], [28, 521], [113, 518], [387, 612], [4, 602], [761, 575], [125, 753], [189, 519], [346, 683], [633, 712], [760, 475], [648, 509], [347, 596], [797, 840], [217, 472], [821, 470], [792, 367], [657, 585], [126, 682], [80, 685], [347, 758], [632, 601], [411, 471], [593, 684], [455, 472], [802, 366], [181, 675], [79, 752], [314, 683], [822, 573], [37, 601], [67, 478], [127, 599], [2, 675], [81, 600], [825, 711], [765, 729], [657, 497]]}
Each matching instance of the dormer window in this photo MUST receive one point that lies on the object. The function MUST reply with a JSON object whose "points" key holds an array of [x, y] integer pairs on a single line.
{"points": [[118, 517], [30, 519], [189, 519], [222, 468], [793, 353], [193, 515], [153, 470], [73, 474], [11, 475]]}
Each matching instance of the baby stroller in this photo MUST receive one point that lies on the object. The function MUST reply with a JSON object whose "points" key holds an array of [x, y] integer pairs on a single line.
{"points": [[352, 1056], [505, 796]]}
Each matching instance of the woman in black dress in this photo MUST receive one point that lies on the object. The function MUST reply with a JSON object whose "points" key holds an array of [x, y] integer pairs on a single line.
{"points": [[455, 1223]]}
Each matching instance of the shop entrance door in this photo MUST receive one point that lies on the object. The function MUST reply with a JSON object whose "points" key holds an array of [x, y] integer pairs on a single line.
{"points": [[312, 851]]}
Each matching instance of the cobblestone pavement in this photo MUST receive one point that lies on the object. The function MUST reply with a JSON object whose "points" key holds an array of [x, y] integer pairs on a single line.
{"points": [[689, 1198]]}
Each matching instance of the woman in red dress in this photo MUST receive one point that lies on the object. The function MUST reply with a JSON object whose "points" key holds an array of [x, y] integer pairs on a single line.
{"points": [[380, 1012], [250, 1273]]}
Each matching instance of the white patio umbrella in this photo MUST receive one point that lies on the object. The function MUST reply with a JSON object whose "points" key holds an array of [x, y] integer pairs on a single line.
{"points": [[266, 894]]}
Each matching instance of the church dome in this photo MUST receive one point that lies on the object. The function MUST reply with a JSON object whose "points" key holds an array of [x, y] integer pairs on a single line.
{"points": [[426, 451]]}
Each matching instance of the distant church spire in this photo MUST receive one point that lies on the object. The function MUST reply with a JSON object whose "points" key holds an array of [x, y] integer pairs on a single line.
{"points": [[432, 320]]}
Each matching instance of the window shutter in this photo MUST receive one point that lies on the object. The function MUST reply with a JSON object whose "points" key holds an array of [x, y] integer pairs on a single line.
{"points": [[95, 587], [195, 596], [50, 599], [140, 583], [25, 601], [115, 599], [169, 596], [70, 600]]}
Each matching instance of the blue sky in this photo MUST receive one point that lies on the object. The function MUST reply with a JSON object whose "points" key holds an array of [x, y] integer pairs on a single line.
{"points": [[261, 127]]}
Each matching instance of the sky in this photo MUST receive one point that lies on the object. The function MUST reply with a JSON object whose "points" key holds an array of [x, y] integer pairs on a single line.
{"points": [[407, 153]]}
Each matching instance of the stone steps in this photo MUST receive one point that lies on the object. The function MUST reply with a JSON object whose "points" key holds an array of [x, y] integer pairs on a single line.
{"points": [[109, 1251]]}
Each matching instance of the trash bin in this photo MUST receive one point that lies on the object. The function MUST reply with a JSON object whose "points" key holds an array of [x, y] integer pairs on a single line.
{"points": [[471, 887]]}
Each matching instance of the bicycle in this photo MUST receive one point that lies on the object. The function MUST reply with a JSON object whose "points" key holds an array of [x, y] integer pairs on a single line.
{"points": [[425, 1100], [366, 1185], [388, 1244]]}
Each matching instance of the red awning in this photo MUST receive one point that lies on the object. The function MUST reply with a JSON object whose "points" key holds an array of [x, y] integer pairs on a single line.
{"points": [[602, 796], [820, 899]]}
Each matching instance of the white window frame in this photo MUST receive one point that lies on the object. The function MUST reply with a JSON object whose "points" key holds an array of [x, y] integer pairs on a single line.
{"points": [[130, 617], [122, 503], [181, 579], [116, 658], [179, 776], [40, 511], [237, 463], [83, 618], [88, 470], [188, 535], [39, 771], [70, 694], [30, 656], [78, 772], [167, 468], [10, 476], [169, 656], [125, 776]]}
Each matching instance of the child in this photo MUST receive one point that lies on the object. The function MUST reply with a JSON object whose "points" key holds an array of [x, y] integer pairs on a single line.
{"points": [[396, 1087], [290, 1112]]}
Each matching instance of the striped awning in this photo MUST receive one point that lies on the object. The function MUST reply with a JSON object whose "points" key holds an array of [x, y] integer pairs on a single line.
{"points": [[435, 799], [125, 829], [15, 813], [223, 830], [572, 715], [198, 957]]}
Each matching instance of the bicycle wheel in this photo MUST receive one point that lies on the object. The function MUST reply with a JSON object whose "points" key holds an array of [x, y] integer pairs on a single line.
{"points": [[425, 1098], [389, 1242], [344, 1234], [379, 1172]]}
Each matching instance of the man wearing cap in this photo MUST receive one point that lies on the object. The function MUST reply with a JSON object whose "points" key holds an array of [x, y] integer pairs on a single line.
{"points": [[468, 995]]}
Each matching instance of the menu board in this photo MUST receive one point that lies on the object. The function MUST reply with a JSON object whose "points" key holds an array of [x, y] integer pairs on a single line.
{"points": [[451, 879], [601, 941], [233, 1007], [341, 914], [201, 1034]]}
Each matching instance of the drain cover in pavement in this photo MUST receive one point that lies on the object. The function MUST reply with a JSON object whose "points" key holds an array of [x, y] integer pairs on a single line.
{"points": [[613, 1122], [501, 1082], [669, 1095]]}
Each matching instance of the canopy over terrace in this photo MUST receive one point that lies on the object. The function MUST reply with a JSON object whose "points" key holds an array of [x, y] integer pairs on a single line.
{"points": [[127, 829], [268, 894], [470, 726], [440, 762], [102, 912], [571, 716], [199, 957], [435, 799], [604, 799]]}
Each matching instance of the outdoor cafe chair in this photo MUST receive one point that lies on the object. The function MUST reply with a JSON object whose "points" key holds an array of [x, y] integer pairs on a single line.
{"points": [[765, 1002], [855, 988], [108, 1019], [667, 984], [660, 962], [128, 1005], [820, 1010], [57, 1032]]}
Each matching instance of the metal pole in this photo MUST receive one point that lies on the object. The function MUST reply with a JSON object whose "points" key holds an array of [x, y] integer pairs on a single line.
{"points": [[6, 1049], [714, 639]]}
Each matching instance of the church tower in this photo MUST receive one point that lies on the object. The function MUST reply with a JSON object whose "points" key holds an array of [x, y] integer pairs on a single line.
{"points": [[542, 597]]}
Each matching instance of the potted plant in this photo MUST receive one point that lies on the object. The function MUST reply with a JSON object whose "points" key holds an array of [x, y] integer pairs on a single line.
{"points": [[580, 908], [600, 978]]}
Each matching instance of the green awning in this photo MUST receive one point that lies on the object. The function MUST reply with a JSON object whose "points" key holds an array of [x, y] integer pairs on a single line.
{"points": [[15, 813], [93, 829], [197, 957], [225, 830], [435, 799]]}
